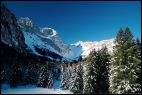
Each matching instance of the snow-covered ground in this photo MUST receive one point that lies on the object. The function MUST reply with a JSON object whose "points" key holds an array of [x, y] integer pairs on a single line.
{"points": [[56, 84], [30, 89]]}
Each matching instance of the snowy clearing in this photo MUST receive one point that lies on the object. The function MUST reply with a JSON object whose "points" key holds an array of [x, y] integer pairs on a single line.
{"points": [[31, 89]]}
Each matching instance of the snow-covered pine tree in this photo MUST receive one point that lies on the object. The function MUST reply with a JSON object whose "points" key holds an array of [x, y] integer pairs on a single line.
{"points": [[89, 76], [102, 79], [137, 61], [96, 74], [43, 77], [124, 68], [73, 75], [88, 81], [77, 83], [66, 70], [63, 77], [50, 79], [31, 75]]}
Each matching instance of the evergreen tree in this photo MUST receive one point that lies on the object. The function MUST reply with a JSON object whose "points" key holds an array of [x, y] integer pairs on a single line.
{"points": [[73, 76], [43, 77], [138, 64], [90, 74], [96, 78], [31, 73], [103, 62], [88, 80], [50, 79], [138, 45], [120, 36], [66, 76], [128, 37], [16, 73], [77, 86], [124, 66]]}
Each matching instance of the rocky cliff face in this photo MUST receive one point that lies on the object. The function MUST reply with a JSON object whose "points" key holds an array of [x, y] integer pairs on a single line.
{"points": [[14, 36], [43, 38], [10, 31], [19, 66]]}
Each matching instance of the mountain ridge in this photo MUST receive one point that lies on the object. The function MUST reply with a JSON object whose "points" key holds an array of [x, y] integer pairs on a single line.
{"points": [[88, 46], [50, 38], [38, 40]]}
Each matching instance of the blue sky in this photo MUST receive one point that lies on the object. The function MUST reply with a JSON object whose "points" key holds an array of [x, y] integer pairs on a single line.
{"points": [[82, 20]]}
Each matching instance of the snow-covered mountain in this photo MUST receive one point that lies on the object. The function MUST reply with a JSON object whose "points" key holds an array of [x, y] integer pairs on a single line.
{"points": [[48, 39], [42, 38], [87, 47]]}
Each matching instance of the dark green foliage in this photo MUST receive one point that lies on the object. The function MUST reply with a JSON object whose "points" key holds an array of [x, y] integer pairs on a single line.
{"points": [[103, 71], [97, 73], [120, 36], [125, 65], [124, 36], [128, 37], [138, 45]]}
